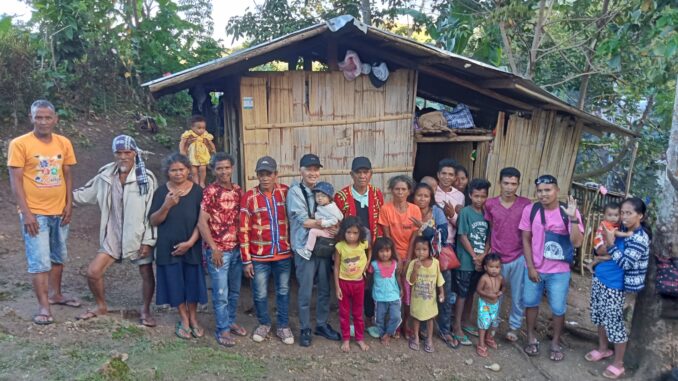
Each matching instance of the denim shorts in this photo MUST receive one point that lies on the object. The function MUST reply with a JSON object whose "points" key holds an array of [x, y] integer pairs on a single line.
{"points": [[48, 247], [556, 285]]}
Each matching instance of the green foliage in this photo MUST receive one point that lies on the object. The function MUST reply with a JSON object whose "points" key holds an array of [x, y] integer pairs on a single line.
{"points": [[92, 55], [20, 78]]}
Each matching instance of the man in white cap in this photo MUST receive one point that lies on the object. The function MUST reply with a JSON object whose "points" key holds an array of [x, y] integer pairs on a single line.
{"points": [[309, 268], [123, 190]]}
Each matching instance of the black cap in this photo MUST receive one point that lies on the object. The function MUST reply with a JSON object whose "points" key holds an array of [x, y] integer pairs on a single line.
{"points": [[266, 163], [361, 162], [310, 160]]}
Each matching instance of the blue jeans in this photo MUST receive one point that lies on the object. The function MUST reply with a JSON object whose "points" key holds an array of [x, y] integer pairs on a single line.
{"points": [[514, 274], [48, 247], [393, 310], [557, 286], [444, 318], [308, 270], [280, 270], [226, 282]]}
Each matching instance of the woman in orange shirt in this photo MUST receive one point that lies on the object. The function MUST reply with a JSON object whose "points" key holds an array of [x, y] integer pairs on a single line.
{"points": [[400, 220]]}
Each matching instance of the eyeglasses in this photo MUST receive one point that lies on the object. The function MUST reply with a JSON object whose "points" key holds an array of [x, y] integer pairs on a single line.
{"points": [[545, 179]]}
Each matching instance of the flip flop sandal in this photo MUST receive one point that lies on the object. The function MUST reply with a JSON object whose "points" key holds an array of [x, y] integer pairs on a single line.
{"points": [[182, 332], [596, 355], [557, 355], [413, 345], [197, 332], [451, 342], [489, 341], [613, 373], [463, 340], [42, 319], [473, 331], [532, 349], [428, 348], [239, 331], [481, 351], [226, 340], [68, 302], [87, 315]]}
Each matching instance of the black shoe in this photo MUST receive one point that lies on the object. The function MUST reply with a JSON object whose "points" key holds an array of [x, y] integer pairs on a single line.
{"points": [[327, 332], [305, 338]]}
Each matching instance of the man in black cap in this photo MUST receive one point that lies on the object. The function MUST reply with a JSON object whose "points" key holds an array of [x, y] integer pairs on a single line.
{"points": [[300, 212], [363, 200]]}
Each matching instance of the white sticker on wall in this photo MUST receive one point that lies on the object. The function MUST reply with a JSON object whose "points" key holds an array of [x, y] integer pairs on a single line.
{"points": [[247, 103]]}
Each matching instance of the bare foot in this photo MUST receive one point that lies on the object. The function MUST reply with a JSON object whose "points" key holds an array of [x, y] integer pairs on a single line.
{"points": [[363, 346], [147, 320], [345, 346], [386, 340]]}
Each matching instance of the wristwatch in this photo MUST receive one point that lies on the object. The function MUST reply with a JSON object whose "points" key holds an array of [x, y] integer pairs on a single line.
{"points": [[574, 221]]}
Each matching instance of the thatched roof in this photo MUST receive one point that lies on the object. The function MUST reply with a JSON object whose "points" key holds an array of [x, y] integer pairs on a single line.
{"points": [[443, 76]]}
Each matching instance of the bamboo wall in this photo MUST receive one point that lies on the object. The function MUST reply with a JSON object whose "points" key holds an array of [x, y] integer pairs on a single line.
{"points": [[298, 112], [546, 143]]}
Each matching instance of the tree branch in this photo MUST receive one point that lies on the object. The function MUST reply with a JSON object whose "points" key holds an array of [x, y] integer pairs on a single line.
{"points": [[607, 167], [507, 45], [536, 40], [571, 78], [637, 127]]}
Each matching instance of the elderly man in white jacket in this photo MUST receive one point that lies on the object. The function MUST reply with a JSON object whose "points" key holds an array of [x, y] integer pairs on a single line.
{"points": [[123, 190]]}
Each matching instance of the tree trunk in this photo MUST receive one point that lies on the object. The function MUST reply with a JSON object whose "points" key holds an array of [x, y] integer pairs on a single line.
{"points": [[653, 347], [366, 11]]}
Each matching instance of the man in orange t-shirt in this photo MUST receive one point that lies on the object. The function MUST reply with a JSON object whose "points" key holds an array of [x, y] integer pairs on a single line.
{"points": [[39, 167]]}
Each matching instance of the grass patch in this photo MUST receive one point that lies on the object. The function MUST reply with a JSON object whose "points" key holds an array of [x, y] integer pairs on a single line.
{"points": [[93, 358], [6, 296], [130, 331]]}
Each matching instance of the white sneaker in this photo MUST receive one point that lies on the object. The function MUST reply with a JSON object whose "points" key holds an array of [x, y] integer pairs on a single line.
{"points": [[285, 334], [261, 333]]}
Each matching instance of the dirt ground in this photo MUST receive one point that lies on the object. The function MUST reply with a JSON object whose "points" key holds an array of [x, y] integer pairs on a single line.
{"points": [[116, 347]]}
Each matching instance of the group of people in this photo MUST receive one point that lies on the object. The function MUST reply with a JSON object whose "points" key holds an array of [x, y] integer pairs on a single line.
{"points": [[383, 258]]}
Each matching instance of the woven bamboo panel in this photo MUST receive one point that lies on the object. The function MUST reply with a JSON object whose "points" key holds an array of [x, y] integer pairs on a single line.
{"points": [[547, 143], [323, 113]]}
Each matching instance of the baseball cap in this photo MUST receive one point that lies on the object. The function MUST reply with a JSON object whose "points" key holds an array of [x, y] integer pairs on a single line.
{"points": [[324, 187], [309, 160], [361, 162], [266, 163]]}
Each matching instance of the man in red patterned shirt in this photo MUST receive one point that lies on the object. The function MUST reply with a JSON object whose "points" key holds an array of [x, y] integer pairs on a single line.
{"points": [[265, 248], [218, 224]]}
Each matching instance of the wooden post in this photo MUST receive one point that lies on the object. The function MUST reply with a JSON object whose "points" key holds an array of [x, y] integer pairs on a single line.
{"points": [[332, 60], [308, 63], [629, 175], [292, 63]]}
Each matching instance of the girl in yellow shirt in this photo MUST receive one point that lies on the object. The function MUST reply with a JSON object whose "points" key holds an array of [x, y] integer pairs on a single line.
{"points": [[423, 274], [351, 257]]}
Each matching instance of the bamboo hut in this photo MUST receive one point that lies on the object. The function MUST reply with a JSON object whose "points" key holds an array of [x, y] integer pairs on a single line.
{"points": [[289, 113]]}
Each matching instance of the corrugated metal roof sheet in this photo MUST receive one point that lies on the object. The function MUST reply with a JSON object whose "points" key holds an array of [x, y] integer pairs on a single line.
{"points": [[483, 83]]}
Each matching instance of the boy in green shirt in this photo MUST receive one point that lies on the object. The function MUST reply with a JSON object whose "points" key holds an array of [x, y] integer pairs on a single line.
{"points": [[473, 243]]}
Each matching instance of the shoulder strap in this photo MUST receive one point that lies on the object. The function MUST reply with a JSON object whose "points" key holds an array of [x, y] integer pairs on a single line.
{"points": [[537, 207], [566, 219], [308, 205]]}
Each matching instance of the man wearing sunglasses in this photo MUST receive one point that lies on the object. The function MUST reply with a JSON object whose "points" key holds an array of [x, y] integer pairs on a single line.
{"points": [[550, 231]]}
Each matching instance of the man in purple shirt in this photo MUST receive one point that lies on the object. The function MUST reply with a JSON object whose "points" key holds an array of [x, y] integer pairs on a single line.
{"points": [[503, 213]]}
